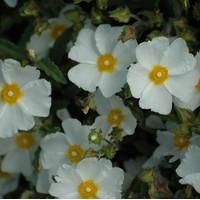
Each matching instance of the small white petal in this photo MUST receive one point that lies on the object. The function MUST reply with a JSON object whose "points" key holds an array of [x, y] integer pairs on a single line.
{"points": [[84, 50], [112, 83], [181, 86], [123, 53], [151, 52], [11, 3], [177, 58], [107, 37], [85, 76], [36, 100], [18, 161], [13, 72], [156, 98], [137, 79]]}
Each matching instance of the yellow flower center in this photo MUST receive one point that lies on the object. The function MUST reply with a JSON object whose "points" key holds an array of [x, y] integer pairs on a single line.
{"points": [[106, 63], [88, 189], [116, 117], [198, 86], [4, 174], [158, 74], [11, 93], [25, 140], [57, 30], [75, 153], [181, 141]]}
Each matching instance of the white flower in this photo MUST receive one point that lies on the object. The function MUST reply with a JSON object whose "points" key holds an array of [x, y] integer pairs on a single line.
{"points": [[41, 44], [103, 59], [92, 178], [8, 182], [11, 3], [171, 144], [194, 101], [189, 169], [18, 153], [22, 97], [163, 71], [68, 148], [113, 113]]}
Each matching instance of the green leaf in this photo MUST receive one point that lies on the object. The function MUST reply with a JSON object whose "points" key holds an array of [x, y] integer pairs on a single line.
{"points": [[11, 50], [59, 49], [79, 1], [51, 69]]}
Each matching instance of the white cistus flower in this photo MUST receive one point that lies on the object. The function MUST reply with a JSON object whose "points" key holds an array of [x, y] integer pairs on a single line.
{"points": [[163, 71], [65, 148], [103, 59], [22, 96], [91, 179], [113, 113]]}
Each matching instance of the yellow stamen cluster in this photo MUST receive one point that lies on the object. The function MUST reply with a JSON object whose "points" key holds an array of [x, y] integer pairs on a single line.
{"points": [[106, 63], [75, 153], [158, 74], [88, 189], [181, 141], [11, 93], [25, 140], [116, 117]]}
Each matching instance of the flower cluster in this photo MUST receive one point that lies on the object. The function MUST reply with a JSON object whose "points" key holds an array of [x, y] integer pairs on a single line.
{"points": [[91, 107]]}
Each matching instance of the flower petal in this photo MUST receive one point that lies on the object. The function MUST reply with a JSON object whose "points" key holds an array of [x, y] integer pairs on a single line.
{"points": [[102, 103], [107, 37], [68, 174], [192, 179], [50, 143], [64, 191], [75, 132], [137, 79], [11, 3], [156, 98], [125, 54], [192, 104], [40, 44], [85, 76], [151, 52], [91, 168], [84, 50], [177, 58], [36, 100], [19, 119], [190, 164], [53, 159], [7, 145], [181, 86], [13, 72], [112, 83], [18, 161]]}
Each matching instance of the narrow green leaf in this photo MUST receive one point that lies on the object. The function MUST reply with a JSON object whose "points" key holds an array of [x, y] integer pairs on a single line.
{"points": [[79, 1], [59, 49], [11, 50], [52, 70]]}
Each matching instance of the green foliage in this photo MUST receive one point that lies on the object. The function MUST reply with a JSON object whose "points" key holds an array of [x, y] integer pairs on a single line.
{"points": [[11, 50], [52, 70]]}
